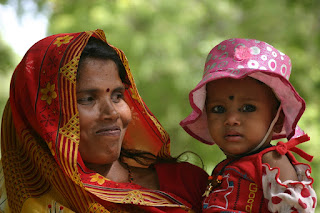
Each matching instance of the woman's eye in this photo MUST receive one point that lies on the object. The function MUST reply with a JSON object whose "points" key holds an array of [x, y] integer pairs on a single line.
{"points": [[117, 97], [85, 100], [218, 109], [248, 108]]}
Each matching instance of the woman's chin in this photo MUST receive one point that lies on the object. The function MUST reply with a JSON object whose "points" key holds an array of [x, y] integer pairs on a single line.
{"points": [[102, 160], [110, 159]]}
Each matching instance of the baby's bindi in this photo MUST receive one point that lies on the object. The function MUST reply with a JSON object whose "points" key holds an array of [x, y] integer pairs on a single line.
{"points": [[231, 97]]}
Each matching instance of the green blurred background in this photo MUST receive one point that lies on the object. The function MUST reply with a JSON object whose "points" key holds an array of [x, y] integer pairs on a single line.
{"points": [[167, 42]]}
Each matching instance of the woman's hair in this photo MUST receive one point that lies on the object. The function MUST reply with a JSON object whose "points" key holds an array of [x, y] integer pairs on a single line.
{"points": [[141, 157], [97, 49], [148, 159]]}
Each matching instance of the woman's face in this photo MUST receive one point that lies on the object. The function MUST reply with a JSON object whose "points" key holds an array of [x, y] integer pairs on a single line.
{"points": [[239, 113], [104, 115]]}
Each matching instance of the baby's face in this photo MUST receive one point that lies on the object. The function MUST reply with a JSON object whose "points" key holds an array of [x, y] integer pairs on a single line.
{"points": [[239, 113]]}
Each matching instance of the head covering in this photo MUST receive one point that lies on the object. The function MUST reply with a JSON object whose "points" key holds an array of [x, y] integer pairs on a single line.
{"points": [[40, 134], [238, 58]]}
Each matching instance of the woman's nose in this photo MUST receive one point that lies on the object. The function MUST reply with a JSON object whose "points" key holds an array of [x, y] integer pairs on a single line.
{"points": [[108, 110], [232, 119]]}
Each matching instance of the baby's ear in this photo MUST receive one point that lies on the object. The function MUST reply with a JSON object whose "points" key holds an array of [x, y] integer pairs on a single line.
{"points": [[279, 124]]}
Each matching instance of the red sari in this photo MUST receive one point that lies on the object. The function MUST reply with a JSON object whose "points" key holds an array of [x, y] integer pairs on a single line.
{"points": [[42, 167]]}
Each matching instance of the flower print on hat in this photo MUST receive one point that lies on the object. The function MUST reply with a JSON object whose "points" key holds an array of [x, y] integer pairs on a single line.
{"points": [[252, 54], [242, 52], [238, 58]]}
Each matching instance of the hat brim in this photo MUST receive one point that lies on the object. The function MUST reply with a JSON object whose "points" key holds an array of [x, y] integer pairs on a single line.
{"points": [[292, 103]]}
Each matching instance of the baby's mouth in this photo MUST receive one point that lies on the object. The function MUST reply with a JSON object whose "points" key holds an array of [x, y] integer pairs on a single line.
{"points": [[233, 136]]}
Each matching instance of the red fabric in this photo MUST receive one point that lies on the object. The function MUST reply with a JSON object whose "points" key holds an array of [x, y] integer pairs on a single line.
{"points": [[282, 148], [182, 182], [241, 187], [185, 180], [41, 134]]}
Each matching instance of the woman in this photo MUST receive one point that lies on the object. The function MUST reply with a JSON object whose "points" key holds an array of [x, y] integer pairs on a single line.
{"points": [[77, 137]]}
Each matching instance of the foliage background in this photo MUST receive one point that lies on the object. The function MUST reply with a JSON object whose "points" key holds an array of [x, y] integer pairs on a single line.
{"points": [[167, 41]]}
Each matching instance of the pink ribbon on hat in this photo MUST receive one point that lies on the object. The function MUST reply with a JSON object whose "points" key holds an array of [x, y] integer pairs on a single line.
{"points": [[282, 148]]}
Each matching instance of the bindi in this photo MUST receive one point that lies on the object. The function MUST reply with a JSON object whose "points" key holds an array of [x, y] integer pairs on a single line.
{"points": [[231, 97], [108, 90]]}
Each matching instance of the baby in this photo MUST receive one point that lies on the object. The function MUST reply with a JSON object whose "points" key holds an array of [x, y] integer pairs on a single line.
{"points": [[242, 103]]}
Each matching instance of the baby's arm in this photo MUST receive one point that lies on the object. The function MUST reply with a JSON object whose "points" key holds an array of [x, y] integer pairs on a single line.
{"points": [[276, 160], [287, 187]]}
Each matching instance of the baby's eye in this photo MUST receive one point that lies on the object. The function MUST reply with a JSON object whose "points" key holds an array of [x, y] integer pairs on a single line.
{"points": [[218, 109], [248, 108]]}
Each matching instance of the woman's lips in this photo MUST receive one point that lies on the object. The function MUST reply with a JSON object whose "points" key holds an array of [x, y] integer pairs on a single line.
{"points": [[109, 131]]}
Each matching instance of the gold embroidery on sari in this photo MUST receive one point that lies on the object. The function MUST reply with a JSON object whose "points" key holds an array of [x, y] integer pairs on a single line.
{"points": [[51, 148], [71, 130], [133, 94], [134, 197], [48, 93], [70, 69], [63, 40], [96, 207], [100, 34], [98, 178]]}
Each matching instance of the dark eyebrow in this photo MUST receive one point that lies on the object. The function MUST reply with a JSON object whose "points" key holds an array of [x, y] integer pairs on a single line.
{"points": [[120, 88], [87, 91]]}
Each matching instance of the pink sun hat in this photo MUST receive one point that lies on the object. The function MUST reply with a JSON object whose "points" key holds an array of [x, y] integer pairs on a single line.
{"points": [[238, 58]]}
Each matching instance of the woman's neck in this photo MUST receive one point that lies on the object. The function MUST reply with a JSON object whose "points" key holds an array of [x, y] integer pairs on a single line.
{"points": [[118, 172], [115, 171]]}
